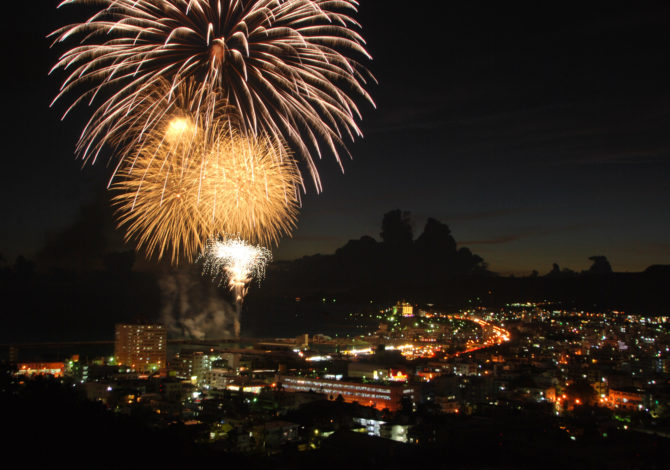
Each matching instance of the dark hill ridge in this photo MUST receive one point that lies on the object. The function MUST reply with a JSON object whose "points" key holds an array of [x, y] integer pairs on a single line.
{"points": [[432, 268]]}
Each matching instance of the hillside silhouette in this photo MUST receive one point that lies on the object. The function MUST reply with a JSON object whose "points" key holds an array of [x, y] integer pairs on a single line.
{"points": [[397, 260], [432, 268]]}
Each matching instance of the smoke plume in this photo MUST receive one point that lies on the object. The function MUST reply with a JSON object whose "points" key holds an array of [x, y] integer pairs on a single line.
{"points": [[195, 308]]}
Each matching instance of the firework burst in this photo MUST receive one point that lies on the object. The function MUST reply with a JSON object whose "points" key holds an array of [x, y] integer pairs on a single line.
{"points": [[183, 186], [181, 108], [237, 262], [287, 67]]}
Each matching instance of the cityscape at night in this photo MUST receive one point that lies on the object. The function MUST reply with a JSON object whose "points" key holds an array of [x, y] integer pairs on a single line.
{"points": [[587, 381], [335, 234]]}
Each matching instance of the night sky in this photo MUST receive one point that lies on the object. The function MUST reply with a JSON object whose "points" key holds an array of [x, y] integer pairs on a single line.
{"points": [[538, 134]]}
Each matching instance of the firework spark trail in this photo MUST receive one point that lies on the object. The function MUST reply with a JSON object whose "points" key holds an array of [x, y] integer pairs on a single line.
{"points": [[183, 186], [288, 67], [163, 103], [237, 262]]}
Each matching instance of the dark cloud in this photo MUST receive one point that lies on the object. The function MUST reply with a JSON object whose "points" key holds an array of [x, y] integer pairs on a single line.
{"points": [[530, 233], [624, 157], [495, 241], [654, 249], [488, 214], [316, 238]]}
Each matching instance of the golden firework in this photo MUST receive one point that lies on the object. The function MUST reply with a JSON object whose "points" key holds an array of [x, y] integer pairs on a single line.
{"points": [[183, 186], [253, 188]]}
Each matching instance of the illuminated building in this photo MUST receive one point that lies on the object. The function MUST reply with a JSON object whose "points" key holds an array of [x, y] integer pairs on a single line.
{"points": [[367, 394], [194, 365], [403, 308], [250, 388], [141, 347], [218, 379], [41, 368], [626, 398], [377, 428]]}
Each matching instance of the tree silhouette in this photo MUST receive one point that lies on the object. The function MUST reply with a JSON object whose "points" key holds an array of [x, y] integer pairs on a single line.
{"points": [[600, 265], [582, 391], [436, 240], [397, 229]]}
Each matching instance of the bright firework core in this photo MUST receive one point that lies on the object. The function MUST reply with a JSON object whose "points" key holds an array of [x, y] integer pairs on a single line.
{"points": [[241, 262], [182, 185], [238, 262], [178, 129]]}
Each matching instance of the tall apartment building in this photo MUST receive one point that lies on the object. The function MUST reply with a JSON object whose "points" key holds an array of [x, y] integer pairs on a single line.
{"points": [[141, 347]]}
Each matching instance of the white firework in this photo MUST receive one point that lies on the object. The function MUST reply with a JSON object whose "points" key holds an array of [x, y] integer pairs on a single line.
{"points": [[289, 68]]}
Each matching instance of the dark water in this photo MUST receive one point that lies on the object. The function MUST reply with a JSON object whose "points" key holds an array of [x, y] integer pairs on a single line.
{"points": [[289, 318], [59, 352], [261, 318]]}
